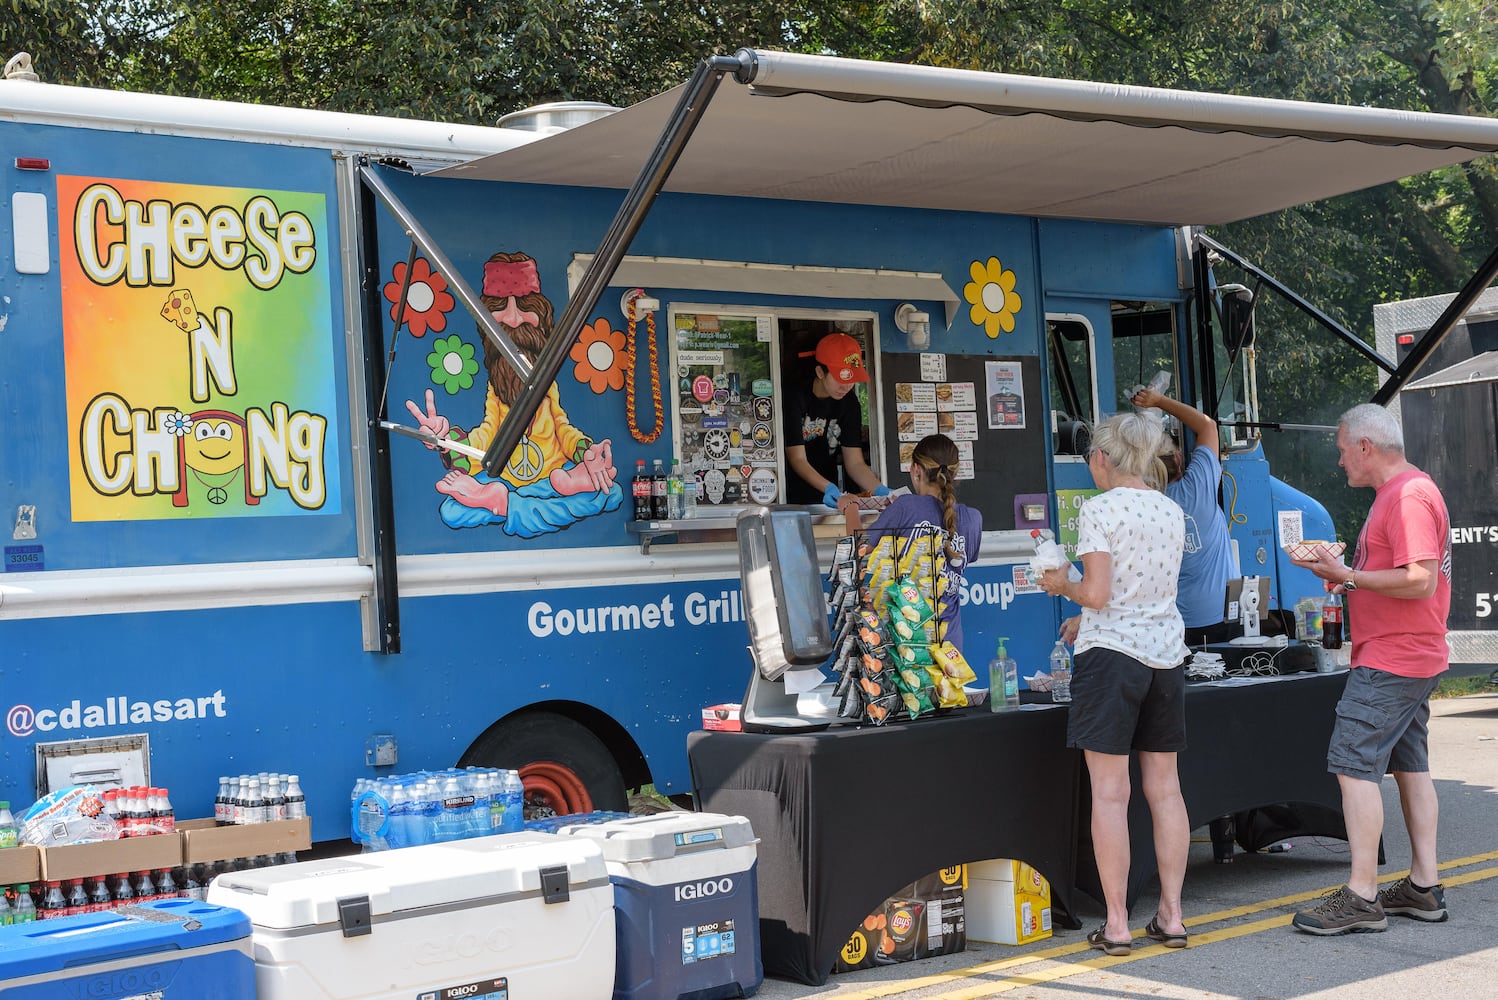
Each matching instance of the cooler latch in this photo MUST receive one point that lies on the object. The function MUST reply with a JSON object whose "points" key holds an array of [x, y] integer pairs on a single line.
{"points": [[353, 916], [556, 887]]}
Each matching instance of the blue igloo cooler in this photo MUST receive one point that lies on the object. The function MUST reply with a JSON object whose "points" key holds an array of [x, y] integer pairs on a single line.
{"points": [[686, 897], [170, 949]]}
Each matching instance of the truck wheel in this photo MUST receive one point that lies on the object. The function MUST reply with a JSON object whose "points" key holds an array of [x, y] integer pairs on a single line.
{"points": [[566, 769]]}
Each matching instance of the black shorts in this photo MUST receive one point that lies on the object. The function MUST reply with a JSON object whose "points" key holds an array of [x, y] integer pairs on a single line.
{"points": [[1118, 704]]}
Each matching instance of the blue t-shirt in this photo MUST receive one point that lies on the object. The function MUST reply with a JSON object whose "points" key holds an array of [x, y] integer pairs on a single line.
{"points": [[913, 511], [1207, 564]]}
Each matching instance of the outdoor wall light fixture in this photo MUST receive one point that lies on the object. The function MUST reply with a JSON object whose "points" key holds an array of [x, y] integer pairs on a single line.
{"points": [[915, 324]]}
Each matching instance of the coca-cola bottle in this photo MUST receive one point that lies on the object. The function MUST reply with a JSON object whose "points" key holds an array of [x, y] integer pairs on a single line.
{"points": [[54, 903], [77, 898], [639, 489], [145, 887], [99, 897], [124, 892], [1331, 622], [166, 885]]}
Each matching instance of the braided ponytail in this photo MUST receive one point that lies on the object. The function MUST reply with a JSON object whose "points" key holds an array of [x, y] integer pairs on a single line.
{"points": [[937, 456]]}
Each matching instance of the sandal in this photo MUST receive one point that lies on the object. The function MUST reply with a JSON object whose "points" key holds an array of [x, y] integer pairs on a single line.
{"points": [[1108, 947], [1165, 937]]}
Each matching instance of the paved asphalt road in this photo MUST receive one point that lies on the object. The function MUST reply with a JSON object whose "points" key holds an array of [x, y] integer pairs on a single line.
{"points": [[1239, 914]]}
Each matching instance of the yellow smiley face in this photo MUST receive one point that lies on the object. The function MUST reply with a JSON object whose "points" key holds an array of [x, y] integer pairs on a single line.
{"points": [[214, 446]]}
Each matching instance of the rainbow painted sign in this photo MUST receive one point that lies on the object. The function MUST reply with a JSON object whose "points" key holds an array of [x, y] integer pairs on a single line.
{"points": [[199, 355]]}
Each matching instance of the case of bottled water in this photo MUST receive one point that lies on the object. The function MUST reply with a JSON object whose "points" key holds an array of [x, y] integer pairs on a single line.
{"points": [[170, 949], [687, 896], [514, 915]]}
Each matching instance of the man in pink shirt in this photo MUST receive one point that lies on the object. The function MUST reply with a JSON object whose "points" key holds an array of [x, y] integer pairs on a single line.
{"points": [[1398, 596]]}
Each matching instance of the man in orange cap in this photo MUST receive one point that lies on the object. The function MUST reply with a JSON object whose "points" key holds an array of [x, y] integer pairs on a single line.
{"points": [[824, 426]]}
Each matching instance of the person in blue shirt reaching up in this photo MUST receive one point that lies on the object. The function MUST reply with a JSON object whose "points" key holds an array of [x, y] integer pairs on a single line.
{"points": [[1192, 482]]}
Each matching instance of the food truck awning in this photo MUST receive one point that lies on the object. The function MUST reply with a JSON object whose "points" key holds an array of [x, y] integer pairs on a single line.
{"points": [[819, 128]]}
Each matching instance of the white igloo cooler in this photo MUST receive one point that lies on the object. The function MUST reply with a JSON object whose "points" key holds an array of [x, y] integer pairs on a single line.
{"points": [[516, 915]]}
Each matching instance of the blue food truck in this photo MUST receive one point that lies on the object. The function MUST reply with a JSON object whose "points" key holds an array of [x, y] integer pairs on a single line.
{"points": [[267, 511]]}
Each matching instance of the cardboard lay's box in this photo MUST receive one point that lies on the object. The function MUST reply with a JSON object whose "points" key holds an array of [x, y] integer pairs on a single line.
{"points": [[1008, 902]]}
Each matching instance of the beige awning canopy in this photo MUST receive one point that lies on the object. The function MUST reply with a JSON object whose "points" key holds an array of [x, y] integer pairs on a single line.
{"points": [[818, 128]]}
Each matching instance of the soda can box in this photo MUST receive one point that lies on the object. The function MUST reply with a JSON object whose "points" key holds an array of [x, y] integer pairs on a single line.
{"points": [[722, 718], [169, 949], [490, 918], [686, 894]]}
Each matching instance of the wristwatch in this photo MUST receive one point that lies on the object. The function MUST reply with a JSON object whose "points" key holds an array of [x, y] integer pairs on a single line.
{"points": [[1351, 582]]}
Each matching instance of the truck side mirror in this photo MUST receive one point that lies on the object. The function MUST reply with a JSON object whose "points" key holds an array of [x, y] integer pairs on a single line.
{"points": [[1237, 318]]}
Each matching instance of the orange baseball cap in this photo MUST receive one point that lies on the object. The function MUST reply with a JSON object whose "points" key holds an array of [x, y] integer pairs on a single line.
{"points": [[841, 356]]}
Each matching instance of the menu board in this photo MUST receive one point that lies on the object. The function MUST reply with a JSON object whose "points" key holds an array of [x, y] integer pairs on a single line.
{"points": [[727, 434], [987, 405]]}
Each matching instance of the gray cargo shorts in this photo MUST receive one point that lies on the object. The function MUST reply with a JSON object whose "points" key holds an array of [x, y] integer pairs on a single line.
{"points": [[1382, 725]]}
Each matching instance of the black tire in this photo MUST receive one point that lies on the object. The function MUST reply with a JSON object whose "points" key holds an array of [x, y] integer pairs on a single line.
{"points": [[545, 736]]}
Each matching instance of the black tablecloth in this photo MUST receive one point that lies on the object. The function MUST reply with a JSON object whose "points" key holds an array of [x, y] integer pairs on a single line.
{"points": [[847, 816], [1248, 747]]}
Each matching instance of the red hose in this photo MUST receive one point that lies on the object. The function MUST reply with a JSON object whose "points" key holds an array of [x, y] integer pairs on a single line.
{"points": [[556, 785]]}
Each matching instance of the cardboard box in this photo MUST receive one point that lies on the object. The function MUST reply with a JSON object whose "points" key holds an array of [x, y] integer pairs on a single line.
{"points": [[723, 718], [20, 864], [203, 840], [1008, 902], [924, 919], [106, 857]]}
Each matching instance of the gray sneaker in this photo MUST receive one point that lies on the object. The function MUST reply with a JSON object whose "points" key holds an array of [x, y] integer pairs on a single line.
{"points": [[1342, 912], [1404, 899]]}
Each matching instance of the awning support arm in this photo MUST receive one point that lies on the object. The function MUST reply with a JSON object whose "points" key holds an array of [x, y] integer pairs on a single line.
{"points": [[1352, 339], [443, 266], [632, 211], [1427, 344]]}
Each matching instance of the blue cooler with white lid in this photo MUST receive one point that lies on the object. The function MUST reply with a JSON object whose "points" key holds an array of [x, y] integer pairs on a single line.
{"points": [[169, 949], [686, 899]]}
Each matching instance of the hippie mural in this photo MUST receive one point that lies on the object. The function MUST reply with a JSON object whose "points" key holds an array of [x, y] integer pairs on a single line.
{"points": [[558, 475]]}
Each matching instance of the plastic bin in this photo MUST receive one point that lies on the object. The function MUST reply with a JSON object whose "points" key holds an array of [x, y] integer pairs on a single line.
{"points": [[514, 915], [170, 949], [687, 895]]}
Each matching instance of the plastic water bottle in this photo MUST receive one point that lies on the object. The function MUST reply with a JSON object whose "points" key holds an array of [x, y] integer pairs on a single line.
{"points": [[675, 488], [1060, 673], [8, 832], [514, 790], [1003, 681], [1050, 555], [296, 801], [691, 485]]}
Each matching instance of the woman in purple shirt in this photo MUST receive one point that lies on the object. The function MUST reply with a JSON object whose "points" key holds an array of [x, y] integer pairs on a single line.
{"points": [[932, 506]]}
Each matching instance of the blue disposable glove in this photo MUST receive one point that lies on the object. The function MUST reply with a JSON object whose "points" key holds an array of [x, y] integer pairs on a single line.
{"points": [[881, 490], [830, 494]]}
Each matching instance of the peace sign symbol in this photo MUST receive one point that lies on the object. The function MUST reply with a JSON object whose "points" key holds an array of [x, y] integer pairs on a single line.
{"points": [[217, 495], [525, 463]]}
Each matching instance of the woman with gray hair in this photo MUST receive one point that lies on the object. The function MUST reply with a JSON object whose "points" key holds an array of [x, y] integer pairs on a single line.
{"points": [[1129, 685]]}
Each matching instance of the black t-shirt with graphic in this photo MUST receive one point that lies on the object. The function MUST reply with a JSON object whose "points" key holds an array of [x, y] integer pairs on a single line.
{"points": [[825, 426]]}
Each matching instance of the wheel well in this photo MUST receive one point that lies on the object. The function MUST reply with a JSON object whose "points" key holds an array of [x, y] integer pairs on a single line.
{"points": [[626, 753]]}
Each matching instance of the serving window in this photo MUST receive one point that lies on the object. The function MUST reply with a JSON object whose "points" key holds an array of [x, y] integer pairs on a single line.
{"points": [[731, 369]]}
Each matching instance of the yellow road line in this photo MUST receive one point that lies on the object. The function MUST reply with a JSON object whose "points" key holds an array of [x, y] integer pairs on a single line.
{"points": [[1063, 971]]}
